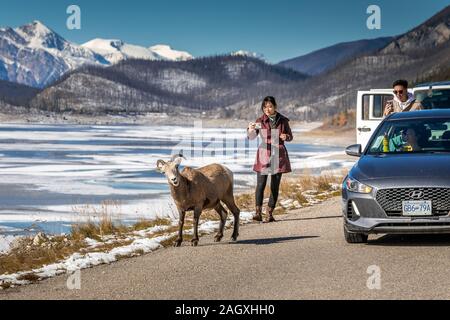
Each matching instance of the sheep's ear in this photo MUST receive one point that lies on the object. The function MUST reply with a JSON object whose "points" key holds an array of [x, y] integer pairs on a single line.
{"points": [[160, 165], [178, 160]]}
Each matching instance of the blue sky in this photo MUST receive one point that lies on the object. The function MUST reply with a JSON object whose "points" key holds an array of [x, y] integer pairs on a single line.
{"points": [[278, 29]]}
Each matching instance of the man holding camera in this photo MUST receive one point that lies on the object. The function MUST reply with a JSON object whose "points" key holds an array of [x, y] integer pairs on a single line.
{"points": [[403, 100]]}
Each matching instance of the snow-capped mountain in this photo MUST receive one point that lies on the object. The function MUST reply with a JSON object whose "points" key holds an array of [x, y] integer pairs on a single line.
{"points": [[36, 56], [115, 50], [245, 53], [167, 53]]}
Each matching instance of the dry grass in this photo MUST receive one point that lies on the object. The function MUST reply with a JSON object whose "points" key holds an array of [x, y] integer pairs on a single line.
{"points": [[343, 120], [32, 277], [245, 200], [137, 252], [105, 247], [5, 285], [143, 224], [208, 215], [325, 182], [26, 257], [168, 242], [100, 222], [104, 221], [294, 188]]}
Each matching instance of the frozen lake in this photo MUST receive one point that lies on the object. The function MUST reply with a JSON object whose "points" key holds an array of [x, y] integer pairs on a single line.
{"points": [[53, 175]]}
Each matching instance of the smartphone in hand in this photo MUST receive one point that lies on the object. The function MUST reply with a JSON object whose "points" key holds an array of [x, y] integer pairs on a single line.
{"points": [[389, 107]]}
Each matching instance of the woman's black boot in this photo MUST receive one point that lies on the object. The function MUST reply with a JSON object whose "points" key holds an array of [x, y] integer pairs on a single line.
{"points": [[258, 214], [269, 217]]}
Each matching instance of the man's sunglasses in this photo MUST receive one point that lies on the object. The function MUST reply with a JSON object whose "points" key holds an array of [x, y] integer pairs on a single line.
{"points": [[398, 92]]}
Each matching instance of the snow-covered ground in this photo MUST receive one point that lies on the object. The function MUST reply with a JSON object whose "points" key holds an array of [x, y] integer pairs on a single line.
{"points": [[55, 175], [141, 242]]}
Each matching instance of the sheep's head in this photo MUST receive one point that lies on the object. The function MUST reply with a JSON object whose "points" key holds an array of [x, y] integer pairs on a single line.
{"points": [[170, 169]]}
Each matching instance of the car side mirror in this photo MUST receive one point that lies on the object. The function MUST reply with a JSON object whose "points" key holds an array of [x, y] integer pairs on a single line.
{"points": [[354, 150]]}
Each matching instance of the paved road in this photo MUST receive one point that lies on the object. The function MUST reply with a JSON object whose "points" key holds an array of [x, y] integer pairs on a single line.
{"points": [[303, 256]]}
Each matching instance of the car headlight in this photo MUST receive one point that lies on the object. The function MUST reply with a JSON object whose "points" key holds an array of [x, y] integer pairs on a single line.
{"points": [[356, 186]]}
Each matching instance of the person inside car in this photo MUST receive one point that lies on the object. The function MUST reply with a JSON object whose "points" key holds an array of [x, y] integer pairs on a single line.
{"points": [[411, 137], [406, 139]]}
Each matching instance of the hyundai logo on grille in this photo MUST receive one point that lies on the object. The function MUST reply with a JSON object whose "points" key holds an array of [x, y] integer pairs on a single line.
{"points": [[416, 194]]}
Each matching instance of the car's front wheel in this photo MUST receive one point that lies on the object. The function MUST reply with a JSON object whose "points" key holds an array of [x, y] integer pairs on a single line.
{"points": [[355, 237]]}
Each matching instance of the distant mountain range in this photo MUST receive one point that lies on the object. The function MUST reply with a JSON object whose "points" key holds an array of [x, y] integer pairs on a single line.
{"points": [[37, 56], [139, 86], [322, 60], [421, 53], [109, 76]]}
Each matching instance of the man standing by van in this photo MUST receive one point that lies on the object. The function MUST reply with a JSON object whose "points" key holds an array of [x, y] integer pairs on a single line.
{"points": [[403, 100]]}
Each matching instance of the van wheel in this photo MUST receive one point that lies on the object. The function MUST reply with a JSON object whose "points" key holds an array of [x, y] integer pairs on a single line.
{"points": [[355, 237]]}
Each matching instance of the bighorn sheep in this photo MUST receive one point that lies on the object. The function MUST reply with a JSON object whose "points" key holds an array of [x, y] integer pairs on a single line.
{"points": [[199, 189]]}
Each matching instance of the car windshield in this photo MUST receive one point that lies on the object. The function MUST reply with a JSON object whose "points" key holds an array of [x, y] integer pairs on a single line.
{"points": [[412, 136]]}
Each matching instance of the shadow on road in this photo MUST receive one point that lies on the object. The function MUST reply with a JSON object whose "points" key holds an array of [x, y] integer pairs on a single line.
{"points": [[273, 240], [412, 240], [315, 218]]}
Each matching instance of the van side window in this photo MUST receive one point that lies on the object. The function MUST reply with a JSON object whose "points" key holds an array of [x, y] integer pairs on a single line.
{"points": [[366, 107], [378, 103], [378, 106]]}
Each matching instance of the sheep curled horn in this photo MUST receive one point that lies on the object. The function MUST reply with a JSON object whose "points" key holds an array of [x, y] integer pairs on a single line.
{"points": [[207, 187], [175, 158]]}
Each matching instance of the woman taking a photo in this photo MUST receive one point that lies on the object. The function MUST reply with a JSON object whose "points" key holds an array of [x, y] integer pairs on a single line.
{"points": [[272, 157]]}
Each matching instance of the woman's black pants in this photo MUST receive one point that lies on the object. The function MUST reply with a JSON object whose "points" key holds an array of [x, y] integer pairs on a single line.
{"points": [[261, 181]]}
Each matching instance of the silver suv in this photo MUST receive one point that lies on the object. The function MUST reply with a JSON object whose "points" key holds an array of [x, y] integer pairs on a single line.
{"points": [[401, 183]]}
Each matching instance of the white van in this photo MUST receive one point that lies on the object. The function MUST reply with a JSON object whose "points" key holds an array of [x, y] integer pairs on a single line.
{"points": [[370, 105]]}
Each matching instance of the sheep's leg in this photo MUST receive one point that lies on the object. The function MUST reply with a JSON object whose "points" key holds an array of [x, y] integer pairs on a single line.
{"points": [[236, 212], [197, 212], [179, 240], [223, 217]]}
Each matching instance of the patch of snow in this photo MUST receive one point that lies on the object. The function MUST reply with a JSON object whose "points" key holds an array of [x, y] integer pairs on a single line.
{"points": [[6, 243]]}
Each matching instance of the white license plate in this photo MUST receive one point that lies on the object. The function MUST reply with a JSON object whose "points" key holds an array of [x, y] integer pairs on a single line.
{"points": [[417, 208]]}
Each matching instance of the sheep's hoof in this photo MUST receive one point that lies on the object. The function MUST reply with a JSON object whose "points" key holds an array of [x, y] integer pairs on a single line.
{"points": [[233, 239], [194, 243], [177, 243], [218, 238]]}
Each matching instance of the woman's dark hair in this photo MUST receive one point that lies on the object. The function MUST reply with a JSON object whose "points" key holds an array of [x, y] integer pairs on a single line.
{"points": [[402, 83], [268, 99]]}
